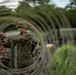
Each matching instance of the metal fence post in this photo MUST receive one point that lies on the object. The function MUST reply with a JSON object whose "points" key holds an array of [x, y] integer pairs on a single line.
{"points": [[12, 54]]}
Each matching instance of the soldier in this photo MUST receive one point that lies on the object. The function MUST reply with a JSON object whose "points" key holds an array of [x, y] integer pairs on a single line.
{"points": [[24, 46], [4, 54], [2, 48]]}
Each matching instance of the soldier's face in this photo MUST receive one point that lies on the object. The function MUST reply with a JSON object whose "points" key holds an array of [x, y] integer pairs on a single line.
{"points": [[21, 29]]}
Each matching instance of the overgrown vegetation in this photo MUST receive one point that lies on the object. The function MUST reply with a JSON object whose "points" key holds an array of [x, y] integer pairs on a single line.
{"points": [[63, 62]]}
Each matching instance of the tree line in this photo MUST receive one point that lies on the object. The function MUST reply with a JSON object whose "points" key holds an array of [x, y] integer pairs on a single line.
{"points": [[27, 8]]}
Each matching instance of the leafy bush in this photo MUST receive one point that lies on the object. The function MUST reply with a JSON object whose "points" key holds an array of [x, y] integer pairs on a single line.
{"points": [[63, 62]]}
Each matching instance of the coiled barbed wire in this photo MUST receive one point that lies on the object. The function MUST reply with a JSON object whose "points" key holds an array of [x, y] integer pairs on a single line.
{"points": [[61, 21]]}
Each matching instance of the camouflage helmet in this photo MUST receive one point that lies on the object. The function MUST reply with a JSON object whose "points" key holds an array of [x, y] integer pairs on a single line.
{"points": [[20, 26]]}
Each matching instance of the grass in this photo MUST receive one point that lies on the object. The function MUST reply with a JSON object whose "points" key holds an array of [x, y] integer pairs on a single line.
{"points": [[63, 62]]}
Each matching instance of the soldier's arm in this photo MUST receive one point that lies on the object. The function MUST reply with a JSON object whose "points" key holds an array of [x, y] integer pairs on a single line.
{"points": [[22, 38]]}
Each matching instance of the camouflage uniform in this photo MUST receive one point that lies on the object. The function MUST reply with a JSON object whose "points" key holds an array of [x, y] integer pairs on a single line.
{"points": [[4, 54], [24, 46]]}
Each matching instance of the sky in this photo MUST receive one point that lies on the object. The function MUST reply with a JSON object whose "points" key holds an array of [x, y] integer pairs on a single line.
{"points": [[61, 3]]}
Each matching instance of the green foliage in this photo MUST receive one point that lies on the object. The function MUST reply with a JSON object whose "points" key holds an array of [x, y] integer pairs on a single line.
{"points": [[5, 11], [63, 61], [71, 15], [71, 5], [43, 1], [23, 6], [71, 12], [26, 3]]}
